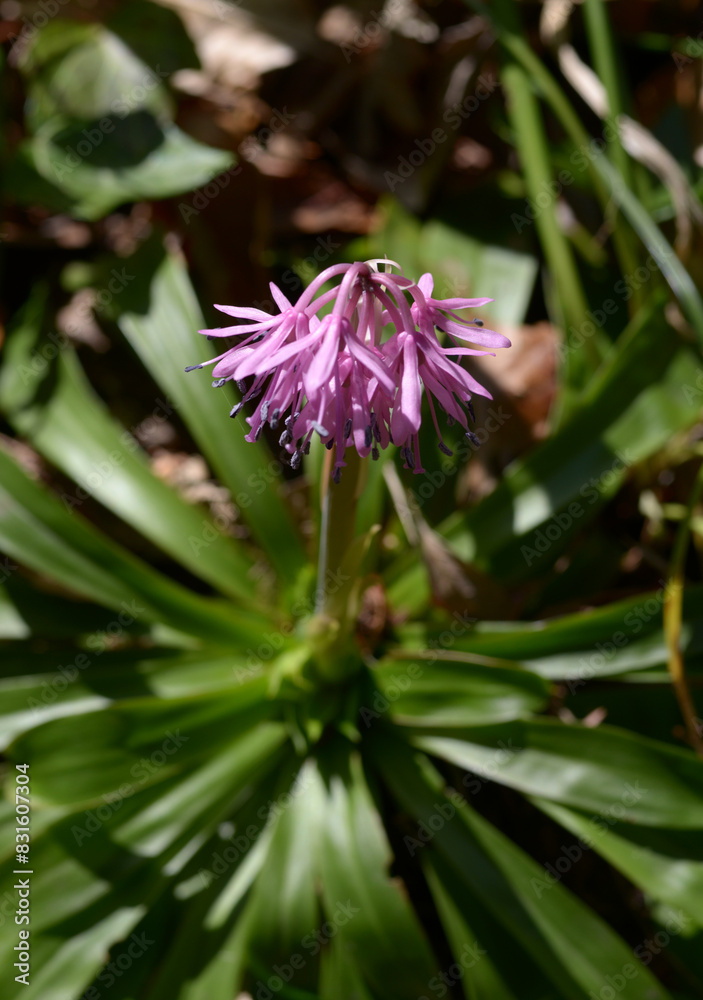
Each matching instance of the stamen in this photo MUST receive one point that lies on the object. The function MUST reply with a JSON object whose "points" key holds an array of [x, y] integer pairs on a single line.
{"points": [[329, 444], [285, 438], [337, 474], [347, 429], [374, 454], [368, 435], [472, 438], [218, 383], [241, 385], [257, 432], [322, 431], [274, 419], [191, 368], [477, 322], [264, 411], [296, 458], [235, 409], [443, 448], [470, 408], [306, 447]]}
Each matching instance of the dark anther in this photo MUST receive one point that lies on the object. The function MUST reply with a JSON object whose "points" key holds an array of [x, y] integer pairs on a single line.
{"points": [[274, 419], [374, 454], [306, 448], [450, 420], [329, 445], [322, 431], [285, 438], [264, 411], [347, 429], [191, 368], [473, 439], [337, 474], [295, 459], [368, 435], [218, 383], [235, 409], [478, 322], [470, 407], [443, 448], [241, 385]]}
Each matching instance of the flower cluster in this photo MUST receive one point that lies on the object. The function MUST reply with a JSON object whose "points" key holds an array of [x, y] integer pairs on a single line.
{"points": [[354, 376]]}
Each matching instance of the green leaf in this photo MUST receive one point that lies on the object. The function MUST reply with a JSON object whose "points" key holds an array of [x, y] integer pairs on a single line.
{"points": [[59, 683], [289, 875], [667, 865], [676, 275], [55, 408], [136, 743], [59, 967], [156, 34], [376, 925], [458, 694], [573, 947], [624, 637], [205, 794], [479, 969], [85, 72], [139, 159], [37, 530], [606, 770], [160, 317]]}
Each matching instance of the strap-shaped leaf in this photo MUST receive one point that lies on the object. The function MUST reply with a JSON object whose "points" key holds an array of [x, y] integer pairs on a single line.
{"points": [[285, 910], [55, 408], [374, 920], [160, 317], [574, 948], [666, 864], [71, 963], [38, 531], [478, 967], [612, 772], [619, 638], [205, 793], [454, 694]]}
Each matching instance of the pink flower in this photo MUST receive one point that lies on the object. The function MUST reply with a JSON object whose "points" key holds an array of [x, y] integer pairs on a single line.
{"points": [[355, 376]]}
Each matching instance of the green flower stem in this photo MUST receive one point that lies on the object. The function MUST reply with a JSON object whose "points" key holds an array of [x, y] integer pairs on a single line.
{"points": [[338, 570]]}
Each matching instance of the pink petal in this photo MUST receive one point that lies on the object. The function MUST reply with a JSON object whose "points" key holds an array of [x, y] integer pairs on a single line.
{"points": [[322, 364], [369, 360], [242, 312], [279, 298]]}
